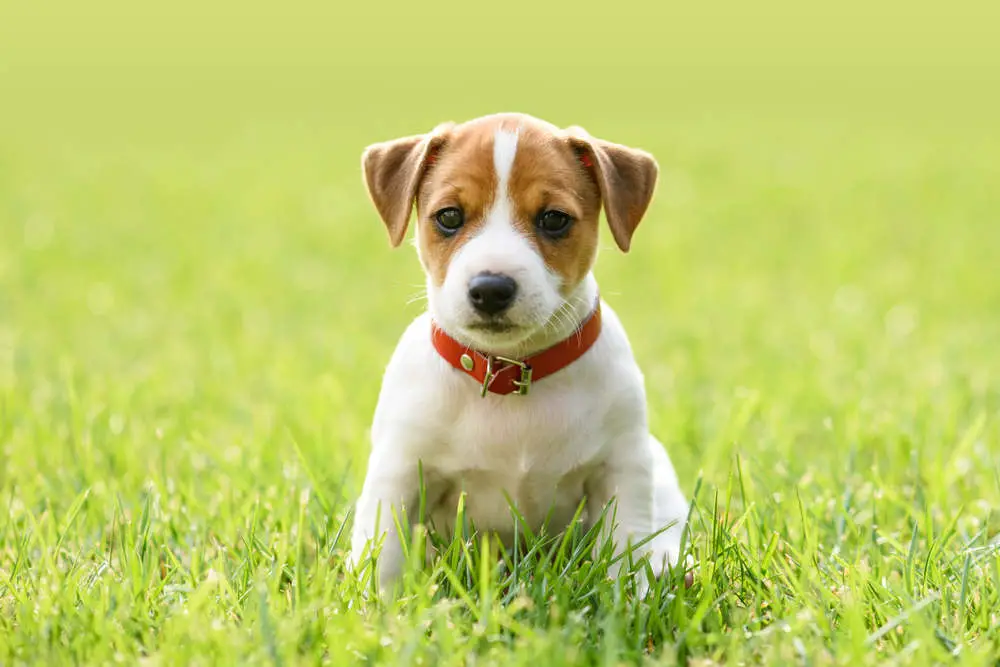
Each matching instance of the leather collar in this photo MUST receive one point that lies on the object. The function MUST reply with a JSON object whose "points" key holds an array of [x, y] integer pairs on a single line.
{"points": [[502, 375]]}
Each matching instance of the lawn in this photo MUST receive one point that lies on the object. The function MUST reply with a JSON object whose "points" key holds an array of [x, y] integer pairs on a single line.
{"points": [[197, 301]]}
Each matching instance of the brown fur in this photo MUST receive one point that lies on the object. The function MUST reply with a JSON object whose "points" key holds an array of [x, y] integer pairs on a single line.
{"points": [[392, 171], [627, 178], [547, 173], [462, 176]]}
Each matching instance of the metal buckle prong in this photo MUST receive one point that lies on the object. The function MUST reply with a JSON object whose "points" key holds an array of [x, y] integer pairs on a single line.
{"points": [[523, 383]]}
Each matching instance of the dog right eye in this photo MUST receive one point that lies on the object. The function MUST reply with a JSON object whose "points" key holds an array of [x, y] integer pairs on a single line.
{"points": [[449, 220]]}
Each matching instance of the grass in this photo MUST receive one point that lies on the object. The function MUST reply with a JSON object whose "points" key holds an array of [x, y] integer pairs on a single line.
{"points": [[197, 302]]}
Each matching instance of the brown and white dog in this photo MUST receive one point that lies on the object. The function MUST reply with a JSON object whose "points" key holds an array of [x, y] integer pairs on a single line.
{"points": [[519, 382]]}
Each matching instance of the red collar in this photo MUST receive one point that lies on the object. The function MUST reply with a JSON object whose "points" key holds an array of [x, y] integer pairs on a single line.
{"points": [[501, 375]]}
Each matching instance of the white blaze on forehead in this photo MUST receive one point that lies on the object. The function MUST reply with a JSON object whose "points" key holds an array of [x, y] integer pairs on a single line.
{"points": [[498, 247], [504, 149]]}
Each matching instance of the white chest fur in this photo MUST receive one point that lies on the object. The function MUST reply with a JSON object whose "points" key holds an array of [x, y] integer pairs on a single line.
{"points": [[580, 434], [535, 451]]}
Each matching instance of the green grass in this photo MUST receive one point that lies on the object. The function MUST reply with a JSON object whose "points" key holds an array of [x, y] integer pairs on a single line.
{"points": [[197, 302]]}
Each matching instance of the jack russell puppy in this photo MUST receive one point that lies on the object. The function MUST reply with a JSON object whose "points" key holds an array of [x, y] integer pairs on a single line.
{"points": [[518, 385]]}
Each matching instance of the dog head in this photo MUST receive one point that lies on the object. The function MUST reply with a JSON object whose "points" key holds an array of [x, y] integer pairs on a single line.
{"points": [[508, 209]]}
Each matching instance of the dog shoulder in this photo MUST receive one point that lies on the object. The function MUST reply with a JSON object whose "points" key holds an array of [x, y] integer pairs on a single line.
{"points": [[623, 385], [416, 383]]}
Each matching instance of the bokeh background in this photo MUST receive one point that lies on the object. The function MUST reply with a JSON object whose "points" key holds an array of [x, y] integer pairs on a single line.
{"points": [[197, 299], [186, 236]]}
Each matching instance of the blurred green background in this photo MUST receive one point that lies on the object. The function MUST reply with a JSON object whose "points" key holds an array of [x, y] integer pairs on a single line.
{"points": [[196, 296], [185, 230], [189, 252]]}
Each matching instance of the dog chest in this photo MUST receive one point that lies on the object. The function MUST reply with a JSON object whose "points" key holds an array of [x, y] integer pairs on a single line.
{"points": [[542, 499], [534, 454]]}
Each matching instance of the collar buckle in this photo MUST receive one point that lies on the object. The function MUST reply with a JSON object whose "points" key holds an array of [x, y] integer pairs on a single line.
{"points": [[496, 364]]}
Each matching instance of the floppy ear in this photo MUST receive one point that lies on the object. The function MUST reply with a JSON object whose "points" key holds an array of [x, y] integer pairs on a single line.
{"points": [[393, 170], [625, 176]]}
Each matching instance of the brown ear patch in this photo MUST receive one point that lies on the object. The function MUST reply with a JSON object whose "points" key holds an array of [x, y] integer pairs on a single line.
{"points": [[432, 155], [626, 178], [392, 173]]}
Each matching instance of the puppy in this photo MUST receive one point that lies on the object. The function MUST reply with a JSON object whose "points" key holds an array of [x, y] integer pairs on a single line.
{"points": [[518, 384]]}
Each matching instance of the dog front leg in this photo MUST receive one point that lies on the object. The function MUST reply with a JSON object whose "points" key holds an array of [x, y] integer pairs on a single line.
{"points": [[639, 487], [390, 489], [623, 488]]}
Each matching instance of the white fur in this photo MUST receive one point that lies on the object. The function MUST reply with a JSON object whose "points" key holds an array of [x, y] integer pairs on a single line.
{"points": [[580, 433], [504, 150]]}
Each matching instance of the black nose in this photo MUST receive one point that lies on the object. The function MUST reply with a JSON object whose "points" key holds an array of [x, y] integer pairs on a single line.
{"points": [[492, 293]]}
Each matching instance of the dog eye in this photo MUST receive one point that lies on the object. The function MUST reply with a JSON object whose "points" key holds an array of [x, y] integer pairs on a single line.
{"points": [[449, 220], [553, 223]]}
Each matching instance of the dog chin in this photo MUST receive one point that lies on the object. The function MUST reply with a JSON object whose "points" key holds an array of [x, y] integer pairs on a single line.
{"points": [[493, 328], [493, 334], [500, 337]]}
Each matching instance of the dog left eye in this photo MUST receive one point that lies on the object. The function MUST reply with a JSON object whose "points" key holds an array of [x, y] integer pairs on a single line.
{"points": [[553, 223]]}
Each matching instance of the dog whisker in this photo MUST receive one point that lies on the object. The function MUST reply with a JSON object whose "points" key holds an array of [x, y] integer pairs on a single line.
{"points": [[419, 296]]}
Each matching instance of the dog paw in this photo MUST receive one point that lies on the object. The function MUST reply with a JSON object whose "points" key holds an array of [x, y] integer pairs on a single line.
{"points": [[665, 565]]}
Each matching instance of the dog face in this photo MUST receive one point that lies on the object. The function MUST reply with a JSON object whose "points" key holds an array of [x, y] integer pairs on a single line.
{"points": [[508, 210]]}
